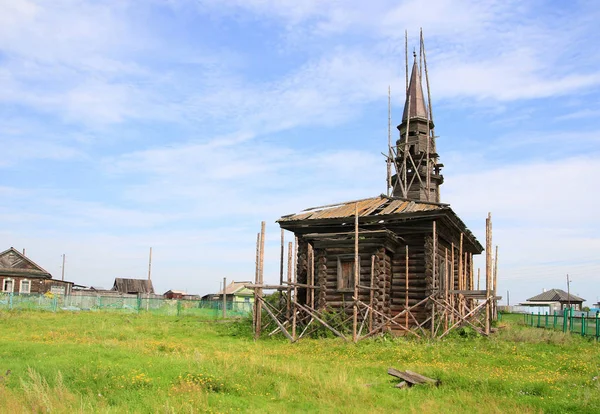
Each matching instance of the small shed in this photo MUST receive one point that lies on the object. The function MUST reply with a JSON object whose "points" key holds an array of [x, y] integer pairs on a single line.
{"points": [[554, 300], [133, 286]]}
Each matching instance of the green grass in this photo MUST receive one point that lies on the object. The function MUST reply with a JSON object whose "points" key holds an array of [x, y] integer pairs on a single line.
{"points": [[108, 362]]}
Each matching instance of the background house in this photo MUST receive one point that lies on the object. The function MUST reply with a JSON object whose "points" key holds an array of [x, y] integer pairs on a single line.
{"points": [[174, 294], [238, 297], [133, 286], [553, 300], [19, 274]]}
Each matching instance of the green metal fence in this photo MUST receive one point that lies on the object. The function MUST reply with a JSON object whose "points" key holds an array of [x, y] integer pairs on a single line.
{"points": [[55, 303], [584, 324]]}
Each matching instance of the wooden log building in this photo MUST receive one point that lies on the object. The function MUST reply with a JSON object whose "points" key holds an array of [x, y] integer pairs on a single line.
{"points": [[21, 275], [410, 244], [388, 226]]}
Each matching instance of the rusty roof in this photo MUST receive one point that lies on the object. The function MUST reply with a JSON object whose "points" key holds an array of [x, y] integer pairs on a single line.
{"points": [[368, 207], [415, 92]]}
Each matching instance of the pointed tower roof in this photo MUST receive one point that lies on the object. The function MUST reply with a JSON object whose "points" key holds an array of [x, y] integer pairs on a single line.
{"points": [[415, 92]]}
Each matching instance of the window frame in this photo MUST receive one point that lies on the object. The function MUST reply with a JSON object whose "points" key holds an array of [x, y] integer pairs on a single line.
{"points": [[12, 284], [346, 258], [28, 285]]}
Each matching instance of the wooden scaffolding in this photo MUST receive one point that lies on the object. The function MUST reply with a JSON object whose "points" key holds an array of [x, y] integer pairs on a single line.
{"points": [[454, 300]]}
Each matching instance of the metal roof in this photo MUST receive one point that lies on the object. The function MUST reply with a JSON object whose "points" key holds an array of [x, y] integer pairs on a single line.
{"points": [[368, 207], [555, 295], [415, 92], [233, 288]]}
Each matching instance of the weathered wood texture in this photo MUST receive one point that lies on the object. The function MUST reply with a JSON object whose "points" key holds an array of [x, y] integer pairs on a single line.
{"points": [[427, 261]]}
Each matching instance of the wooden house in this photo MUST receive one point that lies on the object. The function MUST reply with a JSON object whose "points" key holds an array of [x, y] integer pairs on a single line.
{"points": [[174, 294], [554, 300], [133, 286], [410, 245], [237, 296], [20, 274]]}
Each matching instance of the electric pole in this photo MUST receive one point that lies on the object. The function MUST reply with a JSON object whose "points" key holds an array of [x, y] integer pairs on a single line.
{"points": [[569, 292]]}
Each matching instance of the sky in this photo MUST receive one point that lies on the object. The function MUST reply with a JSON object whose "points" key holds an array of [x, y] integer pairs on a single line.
{"points": [[182, 124]]}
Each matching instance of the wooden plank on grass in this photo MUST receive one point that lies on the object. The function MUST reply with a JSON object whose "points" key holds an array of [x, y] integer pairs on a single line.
{"points": [[412, 378]]}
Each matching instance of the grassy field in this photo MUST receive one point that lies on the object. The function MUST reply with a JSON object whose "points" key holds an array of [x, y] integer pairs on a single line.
{"points": [[106, 362]]}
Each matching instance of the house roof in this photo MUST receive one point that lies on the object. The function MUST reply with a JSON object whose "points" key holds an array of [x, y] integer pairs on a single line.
{"points": [[14, 263], [177, 292], [234, 287], [133, 285], [368, 207], [382, 208], [555, 295]]}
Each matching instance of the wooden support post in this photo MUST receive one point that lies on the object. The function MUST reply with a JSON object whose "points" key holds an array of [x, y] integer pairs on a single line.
{"points": [[260, 280], [356, 276], [224, 297], [452, 285], [256, 271], [434, 258], [371, 292], [471, 281], [494, 303], [488, 271], [478, 277], [465, 280], [281, 257], [447, 284], [406, 289], [289, 280], [471, 272], [460, 276], [311, 276], [295, 278]]}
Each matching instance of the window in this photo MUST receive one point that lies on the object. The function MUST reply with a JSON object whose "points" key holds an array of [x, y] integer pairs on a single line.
{"points": [[345, 273], [25, 286], [8, 285]]}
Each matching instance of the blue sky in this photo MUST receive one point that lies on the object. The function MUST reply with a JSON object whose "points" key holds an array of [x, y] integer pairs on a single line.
{"points": [[182, 124]]}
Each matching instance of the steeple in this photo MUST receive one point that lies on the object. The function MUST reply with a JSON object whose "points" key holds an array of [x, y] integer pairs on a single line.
{"points": [[418, 174], [415, 92]]}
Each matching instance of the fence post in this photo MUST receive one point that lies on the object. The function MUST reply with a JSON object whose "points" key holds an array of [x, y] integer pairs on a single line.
{"points": [[532, 318], [597, 325], [539, 321], [554, 321], [583, 323], [565, 320], [546, 321], [571, 317]]}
